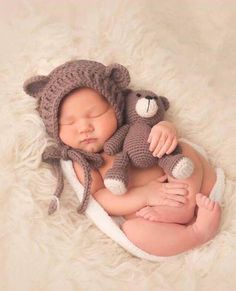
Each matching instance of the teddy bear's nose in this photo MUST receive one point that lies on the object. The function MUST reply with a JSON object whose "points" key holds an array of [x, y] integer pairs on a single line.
{"points": [[150, 97]]}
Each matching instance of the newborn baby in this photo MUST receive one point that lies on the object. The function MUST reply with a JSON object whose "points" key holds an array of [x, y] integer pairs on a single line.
{"points": [[81, 105], [148, 199]]}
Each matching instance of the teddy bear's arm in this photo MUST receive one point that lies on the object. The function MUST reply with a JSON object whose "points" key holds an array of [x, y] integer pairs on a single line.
{"points": [[115, 143]]}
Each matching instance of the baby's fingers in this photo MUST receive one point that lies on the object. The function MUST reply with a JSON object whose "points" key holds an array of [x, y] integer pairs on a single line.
{"points": [[160, 143], [164, 148], [177, 198], [153, 140], [169, 202], [172, 147], [173, 185], [177, 191]]}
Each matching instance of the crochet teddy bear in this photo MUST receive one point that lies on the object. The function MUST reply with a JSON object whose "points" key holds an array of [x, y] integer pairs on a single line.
{"points": [[143, 110]]}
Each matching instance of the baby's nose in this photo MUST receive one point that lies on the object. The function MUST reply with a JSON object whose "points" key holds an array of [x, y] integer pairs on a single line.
{"points": [[85, 130], [84, 126]]}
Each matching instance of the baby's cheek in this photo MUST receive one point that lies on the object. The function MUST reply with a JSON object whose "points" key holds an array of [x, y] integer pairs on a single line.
{"points": [[106, 126], [112, 125], [61, 133], [66, 135], [109, 131]]}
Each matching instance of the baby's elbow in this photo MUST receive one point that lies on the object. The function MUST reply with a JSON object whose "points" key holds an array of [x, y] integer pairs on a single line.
{"points": [[101, 197], [110, 203]]}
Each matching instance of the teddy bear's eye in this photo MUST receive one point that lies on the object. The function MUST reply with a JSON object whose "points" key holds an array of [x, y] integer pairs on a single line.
{"points": [[138, 95]]}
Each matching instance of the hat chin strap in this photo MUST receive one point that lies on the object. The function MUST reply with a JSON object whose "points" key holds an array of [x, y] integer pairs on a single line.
{"points": [[53, 154]]}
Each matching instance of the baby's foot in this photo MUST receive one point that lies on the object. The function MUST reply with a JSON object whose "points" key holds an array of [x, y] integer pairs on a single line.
{"points": [[208, 218], [149, 213]]}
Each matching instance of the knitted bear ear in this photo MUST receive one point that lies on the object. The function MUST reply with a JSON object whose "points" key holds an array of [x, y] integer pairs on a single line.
{"points": [[165, 102], [34, 85], [119, 74]]}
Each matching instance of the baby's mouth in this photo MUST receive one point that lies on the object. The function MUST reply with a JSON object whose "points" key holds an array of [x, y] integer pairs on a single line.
{"points": [[88, 140]]}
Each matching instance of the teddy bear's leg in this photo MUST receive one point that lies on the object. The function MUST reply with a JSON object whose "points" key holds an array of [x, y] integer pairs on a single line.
{"points": [[177, 165], [116, 178]]}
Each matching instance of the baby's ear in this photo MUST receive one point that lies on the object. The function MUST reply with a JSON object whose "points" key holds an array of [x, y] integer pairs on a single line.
{"points": [[165, 102], [119, 74], [34, 85]]}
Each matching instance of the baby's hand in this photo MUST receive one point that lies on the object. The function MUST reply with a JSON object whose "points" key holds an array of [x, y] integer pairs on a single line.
{"points": [[169, 194], [162, 139]]}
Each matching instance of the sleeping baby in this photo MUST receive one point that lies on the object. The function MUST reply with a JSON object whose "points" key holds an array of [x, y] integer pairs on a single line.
{"points": [[81, 104]]}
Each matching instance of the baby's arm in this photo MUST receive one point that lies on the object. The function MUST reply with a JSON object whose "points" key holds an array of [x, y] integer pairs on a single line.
{"points": [[138, 197], [128, 203], [153, 193]]}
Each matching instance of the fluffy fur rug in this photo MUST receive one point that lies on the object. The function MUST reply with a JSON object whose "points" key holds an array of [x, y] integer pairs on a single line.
{"points": [[182, 49]]}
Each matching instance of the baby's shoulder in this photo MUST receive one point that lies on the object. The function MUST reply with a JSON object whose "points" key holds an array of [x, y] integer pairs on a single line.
{"points": [[97, 181]]}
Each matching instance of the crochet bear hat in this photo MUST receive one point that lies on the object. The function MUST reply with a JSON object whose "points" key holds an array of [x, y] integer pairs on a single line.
{"points": [[109, 81]]}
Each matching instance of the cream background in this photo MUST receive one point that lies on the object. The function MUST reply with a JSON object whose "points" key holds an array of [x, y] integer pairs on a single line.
{"points": [[182, 49]]}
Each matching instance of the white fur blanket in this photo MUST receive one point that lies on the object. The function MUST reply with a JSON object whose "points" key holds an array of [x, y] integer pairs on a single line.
{"points": [[182, 49]]}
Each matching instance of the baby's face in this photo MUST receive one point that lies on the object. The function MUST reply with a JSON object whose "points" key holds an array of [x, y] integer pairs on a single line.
{"points": [[86, 120]]}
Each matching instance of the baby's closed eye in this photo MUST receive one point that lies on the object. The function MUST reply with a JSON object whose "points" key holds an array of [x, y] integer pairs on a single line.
{"points": [[66, 122], [98, 111]]}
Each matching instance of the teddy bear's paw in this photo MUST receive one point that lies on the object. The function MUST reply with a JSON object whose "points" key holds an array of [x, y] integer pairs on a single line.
{"points": [[117, 187], [183, 169]]}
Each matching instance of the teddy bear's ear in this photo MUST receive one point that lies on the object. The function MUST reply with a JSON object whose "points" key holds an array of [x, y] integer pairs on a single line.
{"points": [[34, 85], [165, 102], [119, 74]]}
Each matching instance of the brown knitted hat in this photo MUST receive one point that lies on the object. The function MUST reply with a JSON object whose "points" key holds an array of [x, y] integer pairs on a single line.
{"points": [[109, 81]]}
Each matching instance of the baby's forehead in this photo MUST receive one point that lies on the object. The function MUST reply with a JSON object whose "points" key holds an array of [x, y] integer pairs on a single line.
{"points": [[82, 99], [85, 94]]}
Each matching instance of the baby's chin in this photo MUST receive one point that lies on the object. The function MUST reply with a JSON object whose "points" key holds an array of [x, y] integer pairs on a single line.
{"points": [[92, 148]]}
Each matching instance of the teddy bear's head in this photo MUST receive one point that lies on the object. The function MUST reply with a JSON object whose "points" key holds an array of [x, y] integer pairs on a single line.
{"points": [[143, 105]]}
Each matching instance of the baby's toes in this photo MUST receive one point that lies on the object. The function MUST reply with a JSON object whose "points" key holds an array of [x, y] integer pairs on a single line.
{"points": [[143, 211], [204, 201], [211, 205], [153, 216], [146, 216], [200, 199], [216, 206], [152, 219]]}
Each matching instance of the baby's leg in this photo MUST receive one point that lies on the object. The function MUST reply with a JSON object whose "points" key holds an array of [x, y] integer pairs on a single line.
{"points": [[202, 180], [167, 239]]}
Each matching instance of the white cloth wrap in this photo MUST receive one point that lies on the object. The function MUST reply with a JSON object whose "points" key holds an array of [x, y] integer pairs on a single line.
{"points": [[111, 225]]}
